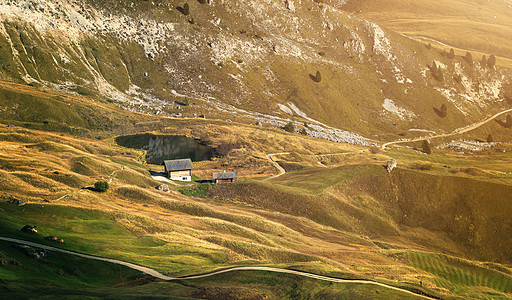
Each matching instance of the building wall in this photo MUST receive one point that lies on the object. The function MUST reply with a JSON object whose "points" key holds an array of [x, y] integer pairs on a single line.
{"points": [[181, 175]]}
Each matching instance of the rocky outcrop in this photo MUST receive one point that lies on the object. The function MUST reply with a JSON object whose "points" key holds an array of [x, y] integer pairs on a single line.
{"points": [[29, 229], [391, 165], [17, 202], [163, 188]]}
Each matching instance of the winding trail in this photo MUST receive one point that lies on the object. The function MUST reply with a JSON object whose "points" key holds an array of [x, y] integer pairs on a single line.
{"points": [[159, 275], [455, 132], [337, 154], [281, 170]]}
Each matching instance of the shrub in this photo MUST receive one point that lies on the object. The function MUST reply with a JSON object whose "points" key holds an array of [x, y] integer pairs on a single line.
{"points": [[442, 111], [491, 61], [437, 72], [484, 61], [469, 58], [318, 76], [186, 9], [101, 186], [289, 127], [490, 138], [451, 54], [427, 148], [202, 1]]}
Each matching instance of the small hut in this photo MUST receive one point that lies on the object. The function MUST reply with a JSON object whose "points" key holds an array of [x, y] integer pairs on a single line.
{"points": [[224, 177], [178, 169]]}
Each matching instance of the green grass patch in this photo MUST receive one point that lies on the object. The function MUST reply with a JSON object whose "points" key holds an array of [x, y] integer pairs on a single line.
{"points": [[94, 232], [314, 180], [462, 277], [200, 190]]}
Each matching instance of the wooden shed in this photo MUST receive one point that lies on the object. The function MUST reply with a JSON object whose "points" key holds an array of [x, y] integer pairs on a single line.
{"points": [[178, 169], [224, 177]]}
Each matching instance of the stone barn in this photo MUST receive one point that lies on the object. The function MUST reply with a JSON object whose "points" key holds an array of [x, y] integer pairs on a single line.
{"points": [[224, 177], [178, 169]]}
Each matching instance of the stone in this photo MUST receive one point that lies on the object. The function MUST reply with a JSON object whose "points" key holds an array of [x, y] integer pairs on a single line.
{"points": [[52, 238], [391, 165], [30, 229], [163, 188], [17, 202]]}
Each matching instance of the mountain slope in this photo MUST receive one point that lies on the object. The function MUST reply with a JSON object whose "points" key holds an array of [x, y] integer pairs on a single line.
{"points": [[257, 56]]}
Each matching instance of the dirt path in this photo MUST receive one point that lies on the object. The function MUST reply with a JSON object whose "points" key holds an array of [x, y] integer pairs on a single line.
{"points": [[158, 275], [455, 132], [281, 170], [337, 154]]}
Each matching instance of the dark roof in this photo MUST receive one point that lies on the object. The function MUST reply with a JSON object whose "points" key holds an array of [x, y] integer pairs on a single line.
{"points": [[178, 164], [224, 175]]}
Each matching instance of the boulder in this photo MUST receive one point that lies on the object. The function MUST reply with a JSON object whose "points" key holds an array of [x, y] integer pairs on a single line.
{"points": [[29, 229], [17, 202], [163, 188], [391, 165], [52, 238]]}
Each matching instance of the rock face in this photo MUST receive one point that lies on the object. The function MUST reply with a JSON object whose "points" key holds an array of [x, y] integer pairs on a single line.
{"points": [[163, 188], [242, 58], [391, 165]]}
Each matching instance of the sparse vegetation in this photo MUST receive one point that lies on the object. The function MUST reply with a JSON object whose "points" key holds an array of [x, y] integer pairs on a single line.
{"points": [[451, 54], [289, 127], [483, 63], [427, 147], [437, 71], [468, 58], [200, 190], [318, 76], [492, 61], [442, 111]]}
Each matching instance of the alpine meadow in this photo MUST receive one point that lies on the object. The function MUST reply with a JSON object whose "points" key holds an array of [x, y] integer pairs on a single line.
{"points": [[264, 149]]}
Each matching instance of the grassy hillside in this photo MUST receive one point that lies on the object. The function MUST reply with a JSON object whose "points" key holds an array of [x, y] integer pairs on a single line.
{"points": [[346, 218], [477, 26]]}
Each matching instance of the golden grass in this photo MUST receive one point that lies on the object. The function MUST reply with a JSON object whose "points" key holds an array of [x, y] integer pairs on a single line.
{"points": [[482, 27]]}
